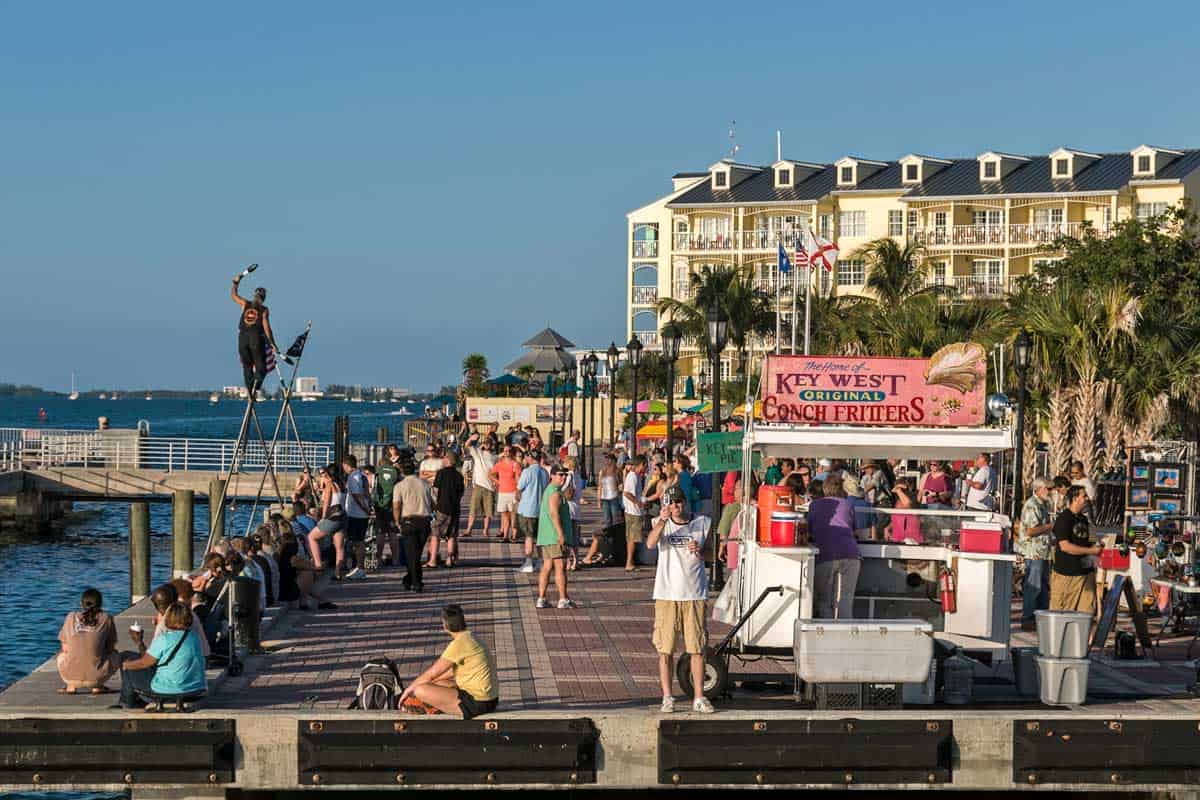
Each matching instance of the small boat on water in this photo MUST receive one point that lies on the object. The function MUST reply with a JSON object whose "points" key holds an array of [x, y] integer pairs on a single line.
{"points": [[149, 396], [103, 396], [214, 398], [42, 415], [74, 395]]}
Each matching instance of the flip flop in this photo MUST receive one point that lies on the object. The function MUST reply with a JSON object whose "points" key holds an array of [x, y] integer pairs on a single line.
{"points": [[65, 690], [103, 690]]}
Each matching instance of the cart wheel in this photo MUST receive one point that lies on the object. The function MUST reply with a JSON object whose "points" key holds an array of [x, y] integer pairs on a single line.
{"points": [[716, 674]]}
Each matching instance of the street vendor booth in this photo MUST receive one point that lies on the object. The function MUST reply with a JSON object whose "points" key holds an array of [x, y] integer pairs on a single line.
{"points": [[949, 577]]}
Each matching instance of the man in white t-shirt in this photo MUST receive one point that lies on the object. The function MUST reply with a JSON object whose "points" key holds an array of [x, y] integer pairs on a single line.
{"points": [[573, 444], [483, 489], [634, 506], [680, 589], [358, 509], [981, 486]]}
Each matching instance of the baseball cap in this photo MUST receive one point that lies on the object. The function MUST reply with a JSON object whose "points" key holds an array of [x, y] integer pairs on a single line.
{"points": [[675, 495], [560, 470]]}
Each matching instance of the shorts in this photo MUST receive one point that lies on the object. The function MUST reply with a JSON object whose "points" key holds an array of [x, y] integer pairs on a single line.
{"points": [[383, 518], [673, 618], [331, 525], [527, 526], [612, 510], [506, 502], [471, 707], [483, 502], [1073, 592], [446, 525], [550, 551], [633, 529], [356, 529]]}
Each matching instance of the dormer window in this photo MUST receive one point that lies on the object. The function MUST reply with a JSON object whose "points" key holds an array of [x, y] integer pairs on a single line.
{"points": [[1062, 167], [720, 180], [991, 170], [1144, 165], [846, 175], [784, 177], [912, 173]]}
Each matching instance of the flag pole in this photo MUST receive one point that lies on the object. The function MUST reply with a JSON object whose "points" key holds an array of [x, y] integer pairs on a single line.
{"points": [[793, 350], [807, 305], [778, 299]]}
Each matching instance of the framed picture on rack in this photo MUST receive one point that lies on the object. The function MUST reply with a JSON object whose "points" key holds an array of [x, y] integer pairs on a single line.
{"points": [[1141, 472], [1139, 497], [1168, 479], [1168, 505], [1141, 521]]}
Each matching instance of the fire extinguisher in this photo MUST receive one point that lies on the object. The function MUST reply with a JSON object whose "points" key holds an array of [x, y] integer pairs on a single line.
{"points": [[948, 590]]}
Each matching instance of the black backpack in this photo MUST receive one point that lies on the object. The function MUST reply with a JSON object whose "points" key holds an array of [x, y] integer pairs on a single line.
{"points": [[379, 686]]}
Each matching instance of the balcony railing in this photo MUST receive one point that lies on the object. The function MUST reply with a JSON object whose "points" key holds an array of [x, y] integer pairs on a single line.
{"points": [[645, 295], [1037, 233], [983, 286], [770, 240], [647, 338], [643, 249], [704, 241]]}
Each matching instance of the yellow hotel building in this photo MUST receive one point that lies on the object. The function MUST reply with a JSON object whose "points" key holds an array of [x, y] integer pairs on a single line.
{"points": [[983, 220]]}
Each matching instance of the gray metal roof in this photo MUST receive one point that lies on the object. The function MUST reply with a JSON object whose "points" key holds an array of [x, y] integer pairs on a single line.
{"points": [[1108, 173], [548, 338]]}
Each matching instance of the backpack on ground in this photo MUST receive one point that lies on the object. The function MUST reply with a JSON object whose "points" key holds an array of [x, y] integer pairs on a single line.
{"points": [[379, 686]]}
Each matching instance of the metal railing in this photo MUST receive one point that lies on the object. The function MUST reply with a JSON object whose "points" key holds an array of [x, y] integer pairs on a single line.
{"points": [[644, 249], [645, 295], [648, 338], [39, 449], [981, 286], [704, 242], [1037, 233], [770, 240]]}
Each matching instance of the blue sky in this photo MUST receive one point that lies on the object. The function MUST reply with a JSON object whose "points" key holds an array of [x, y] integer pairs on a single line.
{"points": [[425, 180]]}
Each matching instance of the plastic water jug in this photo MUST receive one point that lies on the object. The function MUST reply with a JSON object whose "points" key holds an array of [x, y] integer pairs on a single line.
{"points": [[770, 500]]}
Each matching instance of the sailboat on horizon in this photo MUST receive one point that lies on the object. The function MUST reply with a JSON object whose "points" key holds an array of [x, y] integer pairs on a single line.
{"points": [[74, 395]]}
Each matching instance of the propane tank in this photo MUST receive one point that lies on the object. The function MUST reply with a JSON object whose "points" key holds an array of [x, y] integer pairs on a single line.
{"points": [[946, 586]]}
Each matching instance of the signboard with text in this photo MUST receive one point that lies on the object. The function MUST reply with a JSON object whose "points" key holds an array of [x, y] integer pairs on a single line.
{"points": [[721, 452], [945, 390]]}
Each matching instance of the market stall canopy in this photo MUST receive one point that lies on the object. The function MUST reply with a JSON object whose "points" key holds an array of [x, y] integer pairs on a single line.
{"points": [[653, 430], [740, 411], [839, 441], [648, 407], [507, 379], [699, 408]]}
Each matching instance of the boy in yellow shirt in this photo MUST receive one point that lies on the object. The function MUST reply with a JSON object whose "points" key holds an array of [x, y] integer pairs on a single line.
{"points": [[463, 680]]}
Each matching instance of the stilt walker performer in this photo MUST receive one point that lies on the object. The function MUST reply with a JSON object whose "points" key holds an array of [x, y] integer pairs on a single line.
{"points": [[254, 334]]}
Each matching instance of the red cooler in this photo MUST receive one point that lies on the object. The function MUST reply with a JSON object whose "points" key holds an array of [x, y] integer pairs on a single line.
{"points": [[783, 528], [770, 500]]}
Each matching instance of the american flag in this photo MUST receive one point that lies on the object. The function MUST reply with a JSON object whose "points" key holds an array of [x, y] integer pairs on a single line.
{"points": [[270, 359]]}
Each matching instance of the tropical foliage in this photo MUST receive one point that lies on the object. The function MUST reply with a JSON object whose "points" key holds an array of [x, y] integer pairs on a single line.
{"points": [[475, 374]]}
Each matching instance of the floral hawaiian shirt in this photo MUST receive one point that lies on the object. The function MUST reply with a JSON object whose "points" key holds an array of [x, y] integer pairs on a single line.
{"points": [[1035, 512]]}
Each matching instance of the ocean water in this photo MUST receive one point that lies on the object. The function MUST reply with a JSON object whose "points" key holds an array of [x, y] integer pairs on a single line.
{"points": [[41, 577]]}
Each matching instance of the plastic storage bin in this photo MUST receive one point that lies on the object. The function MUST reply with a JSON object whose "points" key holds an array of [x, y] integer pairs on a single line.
{"points": [[1063, 680], [863, 651], [1063, 634]]}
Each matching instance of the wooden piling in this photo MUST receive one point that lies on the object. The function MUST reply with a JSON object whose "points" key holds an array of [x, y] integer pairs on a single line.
{"points": [[216, 508], [182, 534], [139, 551]]}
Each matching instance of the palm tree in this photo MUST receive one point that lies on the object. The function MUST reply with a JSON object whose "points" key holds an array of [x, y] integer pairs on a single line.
{"points": [[475, 371], [526, 373], [896, 272], [732, 290]]}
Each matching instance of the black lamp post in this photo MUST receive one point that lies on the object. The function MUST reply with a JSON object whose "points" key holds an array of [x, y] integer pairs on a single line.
{"points": [[564, 375], [671, 337], [589, 379], [718, 334], [569, 417], [1022, 349], [703, 381], [634, 350], [552, 378], [614, 361]]}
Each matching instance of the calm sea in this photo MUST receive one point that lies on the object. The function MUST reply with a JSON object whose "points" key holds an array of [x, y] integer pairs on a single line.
{"points": [[43, 576]]}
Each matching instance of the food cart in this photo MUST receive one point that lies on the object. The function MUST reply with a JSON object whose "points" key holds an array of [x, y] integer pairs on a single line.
{"points": [[898, 580]]}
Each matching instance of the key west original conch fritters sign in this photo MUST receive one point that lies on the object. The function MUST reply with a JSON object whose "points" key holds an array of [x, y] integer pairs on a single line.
{"points": [[945, 390]]}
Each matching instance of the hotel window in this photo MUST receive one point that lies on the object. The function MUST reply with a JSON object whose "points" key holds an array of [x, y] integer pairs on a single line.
{"points": [[852, 223], [1147, 210], [785, 177], [1062, 167], [847, 175], [938, 275], [1108, 218], [989, 169], [720, 179], [911, 171], [1143, 164], [1046, 217], [850, 272], [912, 222], [644, 321], [939, 219], [895, 223], [645, 240], [824, 225]]}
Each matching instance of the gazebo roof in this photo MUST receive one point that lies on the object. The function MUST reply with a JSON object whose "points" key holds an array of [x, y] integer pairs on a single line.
{"points": [[542, 359], [548, 338]]}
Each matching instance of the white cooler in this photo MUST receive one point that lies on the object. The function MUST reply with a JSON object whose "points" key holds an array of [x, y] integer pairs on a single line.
{"points": [[863, 650]]}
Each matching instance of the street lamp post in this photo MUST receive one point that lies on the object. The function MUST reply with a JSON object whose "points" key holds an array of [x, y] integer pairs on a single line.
{"points": [[1022, 348], [671, 336], [553, 381], [634, 350], [718, 334], [564, 376], [589, 377], [614, 361]]}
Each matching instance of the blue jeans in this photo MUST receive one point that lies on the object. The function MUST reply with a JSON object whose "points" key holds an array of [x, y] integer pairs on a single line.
{"points": [[612, 511], [1036, 590]]}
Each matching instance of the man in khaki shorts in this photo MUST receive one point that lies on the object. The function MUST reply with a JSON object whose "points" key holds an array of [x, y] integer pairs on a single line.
{"points": [[554, 531], [680, 591], [634, 506]]}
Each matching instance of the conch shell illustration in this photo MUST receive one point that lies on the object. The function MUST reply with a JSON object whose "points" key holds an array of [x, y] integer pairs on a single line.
{"points": [[956, 365]]}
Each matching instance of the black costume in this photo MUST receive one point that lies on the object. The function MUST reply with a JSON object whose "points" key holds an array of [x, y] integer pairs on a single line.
{"points": [[252, 346]]}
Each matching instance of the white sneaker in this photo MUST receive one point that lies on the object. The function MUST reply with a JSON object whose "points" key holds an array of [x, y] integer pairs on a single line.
{"points": [[702, 706], [356, 574], [567, 602], [526, 566], [668, 705], [541, 603]]}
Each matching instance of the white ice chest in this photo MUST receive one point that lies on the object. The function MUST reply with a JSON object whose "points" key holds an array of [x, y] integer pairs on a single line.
{"points": [[863, 650]]}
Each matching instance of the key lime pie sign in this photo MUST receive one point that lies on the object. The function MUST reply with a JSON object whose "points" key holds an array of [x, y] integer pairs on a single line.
{"points": [[945, 390]]}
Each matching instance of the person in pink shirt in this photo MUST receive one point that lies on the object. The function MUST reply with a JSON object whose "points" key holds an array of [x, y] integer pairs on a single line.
{"points": [[937, 487], [505, 474], [905, 527]]}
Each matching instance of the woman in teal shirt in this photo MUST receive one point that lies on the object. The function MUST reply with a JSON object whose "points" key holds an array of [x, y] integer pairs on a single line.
{"points": [[173, 666]]}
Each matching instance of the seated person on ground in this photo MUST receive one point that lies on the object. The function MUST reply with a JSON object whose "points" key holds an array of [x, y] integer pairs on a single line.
{"points": [[177, 591], [462, 681], [172, 667], [89, 646], [297, 575]]}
